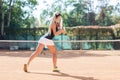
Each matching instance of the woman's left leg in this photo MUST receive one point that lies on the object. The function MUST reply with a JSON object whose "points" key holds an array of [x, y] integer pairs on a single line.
{"points": [[54, 52]]}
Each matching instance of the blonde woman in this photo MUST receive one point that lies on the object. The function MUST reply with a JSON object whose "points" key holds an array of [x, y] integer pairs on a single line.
{"points": [[55, 28]]}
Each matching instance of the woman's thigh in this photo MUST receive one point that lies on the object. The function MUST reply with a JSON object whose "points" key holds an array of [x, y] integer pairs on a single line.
{"points": [[40, 47]]}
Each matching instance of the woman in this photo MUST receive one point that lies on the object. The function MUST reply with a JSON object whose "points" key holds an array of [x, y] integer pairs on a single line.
{"points": [[46, 40]]}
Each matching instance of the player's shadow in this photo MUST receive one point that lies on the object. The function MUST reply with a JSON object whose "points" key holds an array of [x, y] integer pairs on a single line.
{"points": [[61, 74]]}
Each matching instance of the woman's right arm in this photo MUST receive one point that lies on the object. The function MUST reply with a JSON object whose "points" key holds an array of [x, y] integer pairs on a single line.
{"points": [[62, 31]]}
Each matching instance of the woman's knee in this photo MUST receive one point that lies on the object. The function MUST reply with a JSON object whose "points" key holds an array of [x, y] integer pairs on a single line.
{"points": [[54, 54], [52, 49]]}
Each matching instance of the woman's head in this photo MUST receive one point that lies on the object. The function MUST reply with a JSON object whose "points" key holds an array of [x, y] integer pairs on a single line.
{"points": [[57, 17]]}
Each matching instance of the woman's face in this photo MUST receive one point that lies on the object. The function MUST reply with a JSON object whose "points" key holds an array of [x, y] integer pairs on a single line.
{"points": [[57, 20]]}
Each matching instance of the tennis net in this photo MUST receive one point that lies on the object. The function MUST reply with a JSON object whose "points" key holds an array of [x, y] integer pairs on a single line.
{"points": [[63, 44]]}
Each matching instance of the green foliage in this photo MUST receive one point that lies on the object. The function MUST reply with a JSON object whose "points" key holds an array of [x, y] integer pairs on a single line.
{"points": [[82, 12], [19, 16], [74, 12]]}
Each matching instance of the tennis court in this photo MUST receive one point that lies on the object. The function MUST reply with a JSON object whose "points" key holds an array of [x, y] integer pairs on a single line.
{"points": [[73, 65]]}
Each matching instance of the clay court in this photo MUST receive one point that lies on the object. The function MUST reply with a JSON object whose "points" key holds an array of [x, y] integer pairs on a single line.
{"points": [[73, 65]]}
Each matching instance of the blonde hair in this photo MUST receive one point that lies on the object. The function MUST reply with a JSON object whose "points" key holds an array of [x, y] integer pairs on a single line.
{"points": [[53, 20]]}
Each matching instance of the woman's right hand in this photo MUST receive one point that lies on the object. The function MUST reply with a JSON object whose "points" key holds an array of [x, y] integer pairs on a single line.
{"points": [[63, 31]]}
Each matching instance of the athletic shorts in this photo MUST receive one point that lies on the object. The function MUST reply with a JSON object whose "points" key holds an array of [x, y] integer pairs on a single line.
{"points": [[46, 41]]}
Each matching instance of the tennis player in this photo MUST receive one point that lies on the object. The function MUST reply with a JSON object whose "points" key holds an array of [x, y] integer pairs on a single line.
{"points": [[55, 28]]}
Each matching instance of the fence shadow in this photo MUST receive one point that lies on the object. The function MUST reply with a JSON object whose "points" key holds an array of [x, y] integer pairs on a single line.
{"points": [[61, 54]]}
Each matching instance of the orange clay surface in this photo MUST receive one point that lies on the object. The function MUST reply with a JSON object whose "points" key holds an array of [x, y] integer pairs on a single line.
{"points": [[73, 65]]}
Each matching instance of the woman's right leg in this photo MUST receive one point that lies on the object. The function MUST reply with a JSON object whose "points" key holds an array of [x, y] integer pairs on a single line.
{"points": [[36, 53]]}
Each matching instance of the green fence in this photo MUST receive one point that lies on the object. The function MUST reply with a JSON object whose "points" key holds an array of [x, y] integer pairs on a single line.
{"points": [[73, 33]]}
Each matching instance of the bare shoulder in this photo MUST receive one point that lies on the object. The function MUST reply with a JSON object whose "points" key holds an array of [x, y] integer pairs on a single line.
{"points": [[53, 26]]}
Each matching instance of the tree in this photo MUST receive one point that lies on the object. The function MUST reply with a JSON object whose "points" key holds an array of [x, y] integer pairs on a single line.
{"points": [[9, 13], [2, 20], [0, 3], [104, 18], [14, 15], [57, 5]]}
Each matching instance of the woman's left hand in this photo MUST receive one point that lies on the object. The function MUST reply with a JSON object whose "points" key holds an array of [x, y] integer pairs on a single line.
{"points": [[64, 31]]}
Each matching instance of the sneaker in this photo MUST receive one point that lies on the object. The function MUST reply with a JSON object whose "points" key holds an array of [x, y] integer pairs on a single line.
{"points": [[25, 68], [56, 70]]}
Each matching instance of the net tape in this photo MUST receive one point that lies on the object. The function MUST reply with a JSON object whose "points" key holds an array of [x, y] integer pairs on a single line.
{"points": [[116, 40]]}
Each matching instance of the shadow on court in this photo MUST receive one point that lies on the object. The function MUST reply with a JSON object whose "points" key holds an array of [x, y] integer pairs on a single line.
{"points": [[61, 74], [61, 54]]}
